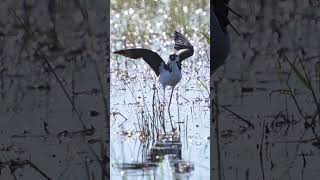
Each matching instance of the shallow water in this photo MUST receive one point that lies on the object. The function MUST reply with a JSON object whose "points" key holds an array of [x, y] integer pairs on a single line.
{"points": [[133, 95]]}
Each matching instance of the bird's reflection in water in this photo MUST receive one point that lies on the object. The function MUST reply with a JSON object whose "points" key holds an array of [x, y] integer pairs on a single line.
{"points": [[164, 153]]}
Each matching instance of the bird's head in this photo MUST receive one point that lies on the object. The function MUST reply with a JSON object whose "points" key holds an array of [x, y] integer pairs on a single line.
{"points": [[173, 57]]}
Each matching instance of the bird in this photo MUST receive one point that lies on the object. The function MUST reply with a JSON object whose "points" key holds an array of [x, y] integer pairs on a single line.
{"points": [[169, 74], [219, 33]]}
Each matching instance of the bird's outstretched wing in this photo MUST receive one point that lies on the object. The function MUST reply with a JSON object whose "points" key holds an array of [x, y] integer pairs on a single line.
{"points": [[182, 46], [152, 58]]}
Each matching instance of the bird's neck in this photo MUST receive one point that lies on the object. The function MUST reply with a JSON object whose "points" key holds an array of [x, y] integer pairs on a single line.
{"points": [[174, 67]]}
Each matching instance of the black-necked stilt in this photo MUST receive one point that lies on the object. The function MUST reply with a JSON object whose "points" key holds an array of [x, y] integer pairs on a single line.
{"points": [[169, 74], [219, 35]]}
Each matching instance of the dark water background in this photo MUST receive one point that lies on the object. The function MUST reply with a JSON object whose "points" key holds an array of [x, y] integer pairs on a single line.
{"points": [[41, 134], [253, 84]]}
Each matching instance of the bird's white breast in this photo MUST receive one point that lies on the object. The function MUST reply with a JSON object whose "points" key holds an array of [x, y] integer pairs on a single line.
{"points": [[170, 78]]}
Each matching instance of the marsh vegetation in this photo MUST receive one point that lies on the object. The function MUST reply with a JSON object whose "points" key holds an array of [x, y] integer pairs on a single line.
{"points": [[149, 142]]}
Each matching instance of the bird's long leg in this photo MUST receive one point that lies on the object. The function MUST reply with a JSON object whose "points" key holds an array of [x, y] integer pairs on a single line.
{"points": [[171, 97], [164, 103], [164, 94]]}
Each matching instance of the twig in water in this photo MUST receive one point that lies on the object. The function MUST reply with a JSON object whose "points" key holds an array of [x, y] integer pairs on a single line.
{"points": [[87, 168], [260, 149], [217, 131], [13, 165], [311, 87], [106, 131], [304, 164], [121, 116], [104, 168], [239, 117]]}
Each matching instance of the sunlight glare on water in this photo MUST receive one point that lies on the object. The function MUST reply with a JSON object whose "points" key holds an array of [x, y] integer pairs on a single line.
{"points": [[132, 92]]}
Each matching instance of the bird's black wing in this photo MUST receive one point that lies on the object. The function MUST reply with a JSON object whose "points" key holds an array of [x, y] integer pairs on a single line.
{"points": [[182, 46], [152, 58]]}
